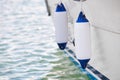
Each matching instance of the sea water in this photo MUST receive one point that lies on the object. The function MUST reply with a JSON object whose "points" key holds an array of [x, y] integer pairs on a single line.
{"points": [[27, 47]]}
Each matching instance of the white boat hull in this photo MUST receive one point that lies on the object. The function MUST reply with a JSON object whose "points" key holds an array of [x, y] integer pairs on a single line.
{"points": [[104, 16]]}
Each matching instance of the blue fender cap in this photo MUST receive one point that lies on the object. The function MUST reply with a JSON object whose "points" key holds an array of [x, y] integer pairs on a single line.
{"points": [[60, 8], [82, 18], [62, 45], [84, 63]]}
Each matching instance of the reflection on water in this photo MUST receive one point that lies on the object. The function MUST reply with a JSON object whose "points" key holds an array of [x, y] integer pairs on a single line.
{"points": [[27, 47]]}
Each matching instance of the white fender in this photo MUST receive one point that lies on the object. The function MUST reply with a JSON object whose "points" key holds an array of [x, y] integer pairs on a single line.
{"points": [[82, 40], [61, 26]]}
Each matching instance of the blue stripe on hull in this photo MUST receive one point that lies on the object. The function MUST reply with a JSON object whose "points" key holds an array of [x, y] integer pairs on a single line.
{"points": [[92, 69]]}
